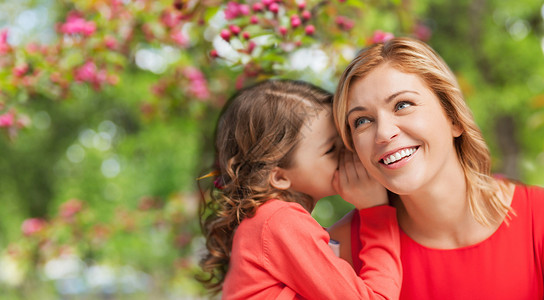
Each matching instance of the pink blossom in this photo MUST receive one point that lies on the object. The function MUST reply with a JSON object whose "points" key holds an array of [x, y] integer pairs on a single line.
{"points": [[283, 30], [4, 46], [306, 15], [77, 25], [113, 79], [381, 37], [295, 21], [170, 19], [32, 226], [344, 22], [225, 34], [234, 29], [214, 53], [274, 7], [180, 38], [240, 80], [198, 86], [193, 74], [20, 70], [32, 48], [254, 20], [70, 208], [110, 42], [234, 10], [199, 89], [87, 72], [4, 36], [258, 7], [302, 5], [246, 35], [348, 24], [251, 46], [422, 32], [244, 9], [310, 29], [90, 73], [7, 119], [267, 2]]}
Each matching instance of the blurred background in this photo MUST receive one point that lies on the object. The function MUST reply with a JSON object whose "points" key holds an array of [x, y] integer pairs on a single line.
{"points": [[107, 112]]}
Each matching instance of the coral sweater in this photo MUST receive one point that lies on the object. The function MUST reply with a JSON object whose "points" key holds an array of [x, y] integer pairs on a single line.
{"points": [[283, 253], [507, 265]]}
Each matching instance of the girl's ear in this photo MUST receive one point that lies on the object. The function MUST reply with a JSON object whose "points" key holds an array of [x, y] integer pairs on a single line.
{"points": [[278, 179]]}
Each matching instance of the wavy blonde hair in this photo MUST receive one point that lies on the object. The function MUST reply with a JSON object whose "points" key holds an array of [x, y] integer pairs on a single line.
{"points": [[486, 196], [258, 130]]}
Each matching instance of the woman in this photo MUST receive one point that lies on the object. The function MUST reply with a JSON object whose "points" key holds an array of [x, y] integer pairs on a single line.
{"points": [[464, 234]]}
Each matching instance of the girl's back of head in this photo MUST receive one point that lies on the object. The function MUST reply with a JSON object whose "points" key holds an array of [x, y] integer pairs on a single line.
{"points": [[258, 130]]}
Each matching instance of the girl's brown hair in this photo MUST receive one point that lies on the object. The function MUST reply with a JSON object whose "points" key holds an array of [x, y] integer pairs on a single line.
{"points": [[485, 194], [258, 130]]}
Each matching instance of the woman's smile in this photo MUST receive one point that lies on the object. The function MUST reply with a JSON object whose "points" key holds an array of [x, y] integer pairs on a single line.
{"points": [[398, 158]]}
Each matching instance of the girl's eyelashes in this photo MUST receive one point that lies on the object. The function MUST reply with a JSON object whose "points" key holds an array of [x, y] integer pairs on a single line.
{"points": [[331, 150]]}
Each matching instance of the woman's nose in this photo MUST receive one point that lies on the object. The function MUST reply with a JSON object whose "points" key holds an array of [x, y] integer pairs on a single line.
{"points": [[386, 130]]}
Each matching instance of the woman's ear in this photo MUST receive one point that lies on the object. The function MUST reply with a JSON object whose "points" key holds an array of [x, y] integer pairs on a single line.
{"points": [[457, 130], [278, 179]]}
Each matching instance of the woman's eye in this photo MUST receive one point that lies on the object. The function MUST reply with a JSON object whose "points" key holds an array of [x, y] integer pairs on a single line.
{"points": [[360, 121], [402, 105], [331, 150]]}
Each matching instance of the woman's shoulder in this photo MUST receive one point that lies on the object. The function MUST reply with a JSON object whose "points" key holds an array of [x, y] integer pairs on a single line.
{"points": [[531, 194]]}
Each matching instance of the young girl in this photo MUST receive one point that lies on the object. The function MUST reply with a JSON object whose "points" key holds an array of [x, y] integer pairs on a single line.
{"points": [[464, 234], [277, 153]]}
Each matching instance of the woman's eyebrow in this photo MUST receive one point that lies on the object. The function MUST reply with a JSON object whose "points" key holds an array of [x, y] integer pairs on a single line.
{"points": [[387, 100]]}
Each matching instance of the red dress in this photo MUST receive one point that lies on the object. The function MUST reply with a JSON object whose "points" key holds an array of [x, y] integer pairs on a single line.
{"points": [[507, 265]]}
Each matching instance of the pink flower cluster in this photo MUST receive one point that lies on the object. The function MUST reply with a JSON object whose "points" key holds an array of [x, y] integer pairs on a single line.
{"points": [[90, 73], [344, 23], [75, 24], [7, 119], [422, 32], [180, 38], [380, 37], [32, 226], [198, 85], [171, 18], [234, 10], [70, 208], [4, 46], [20, 70]]}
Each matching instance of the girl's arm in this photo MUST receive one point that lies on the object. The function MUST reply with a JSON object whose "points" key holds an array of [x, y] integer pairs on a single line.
{"points": [[296, 252]]}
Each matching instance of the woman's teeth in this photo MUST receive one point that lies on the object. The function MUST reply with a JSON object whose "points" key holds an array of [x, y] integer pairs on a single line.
{"points": [[399, 155]]}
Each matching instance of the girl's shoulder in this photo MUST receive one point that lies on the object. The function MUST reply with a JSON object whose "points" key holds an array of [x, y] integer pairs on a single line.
{"points": [[275, 210]]}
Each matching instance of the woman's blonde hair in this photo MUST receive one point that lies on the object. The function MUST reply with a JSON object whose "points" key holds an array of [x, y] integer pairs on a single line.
{"points": [[485, 194], [258, 130]]}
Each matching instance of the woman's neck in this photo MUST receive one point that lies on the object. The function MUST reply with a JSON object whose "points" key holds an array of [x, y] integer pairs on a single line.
{"points": [[439, 216]]}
